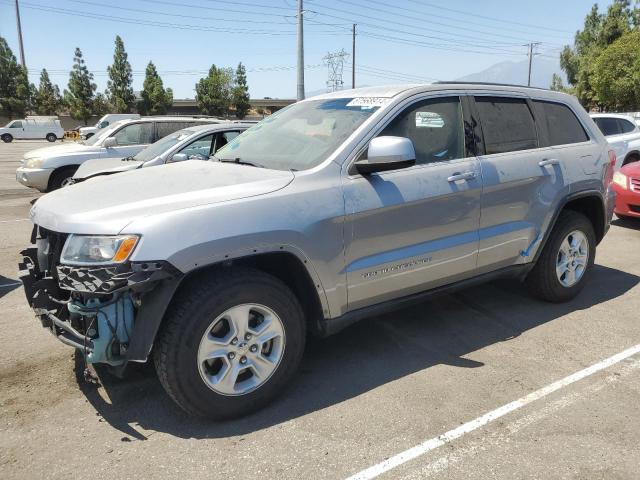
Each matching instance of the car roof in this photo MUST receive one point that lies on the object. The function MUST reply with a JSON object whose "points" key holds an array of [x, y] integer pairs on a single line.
{"points": [[177, 118], [388, 91], [214, 127], [613, 115]]}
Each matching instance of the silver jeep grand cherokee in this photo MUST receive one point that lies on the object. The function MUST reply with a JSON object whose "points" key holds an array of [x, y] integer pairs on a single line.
{"points": [[334, 209]]}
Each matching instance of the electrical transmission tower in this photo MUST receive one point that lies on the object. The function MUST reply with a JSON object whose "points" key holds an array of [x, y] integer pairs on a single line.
{"points": [[335, 65]]}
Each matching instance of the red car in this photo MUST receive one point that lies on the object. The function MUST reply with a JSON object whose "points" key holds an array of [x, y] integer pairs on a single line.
{"points": [[626, 183]]}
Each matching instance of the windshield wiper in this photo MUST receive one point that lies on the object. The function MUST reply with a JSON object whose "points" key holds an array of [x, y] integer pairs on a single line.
{"points": [[128, 159], [239, 162]]}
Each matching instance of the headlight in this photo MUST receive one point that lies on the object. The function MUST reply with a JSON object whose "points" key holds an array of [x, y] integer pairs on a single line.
{"points": [[97, 250], [35, 162], [620, 179]]}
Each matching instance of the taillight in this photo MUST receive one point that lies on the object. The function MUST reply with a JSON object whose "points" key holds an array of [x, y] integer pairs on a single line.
{"points": [[608, 176]]}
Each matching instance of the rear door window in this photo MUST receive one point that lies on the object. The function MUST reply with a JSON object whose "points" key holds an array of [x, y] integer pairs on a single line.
{"points": [[563, 127], [608, 126], [507, 124], [167, 128]]}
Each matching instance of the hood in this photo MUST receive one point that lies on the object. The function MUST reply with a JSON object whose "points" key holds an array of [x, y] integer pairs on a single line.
{"points": [[106, 204], [87, 129], [104, 166], [58, 150], [631, 169]]}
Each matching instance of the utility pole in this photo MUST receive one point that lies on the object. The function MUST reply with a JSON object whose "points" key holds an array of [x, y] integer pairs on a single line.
{"points": [[531, 46], [300, 54], [24, 65], [353, 59]]}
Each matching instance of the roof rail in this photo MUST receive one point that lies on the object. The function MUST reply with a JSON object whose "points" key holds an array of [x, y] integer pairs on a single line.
{"points": [[441, 82]]}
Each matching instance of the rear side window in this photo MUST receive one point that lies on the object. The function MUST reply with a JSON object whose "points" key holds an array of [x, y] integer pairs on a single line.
{"points": [[562, 125], [507, 124], [608, 126], [167, 128], [626, 126]]}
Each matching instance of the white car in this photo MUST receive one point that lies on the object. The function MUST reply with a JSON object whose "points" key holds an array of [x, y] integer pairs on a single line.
{"points": [[104, 122], [622, 133], [32, 127], [198, 142], [50, 168]]}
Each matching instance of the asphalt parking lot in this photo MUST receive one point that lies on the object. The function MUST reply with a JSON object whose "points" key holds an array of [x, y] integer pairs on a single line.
{"points": [[425, 392]]}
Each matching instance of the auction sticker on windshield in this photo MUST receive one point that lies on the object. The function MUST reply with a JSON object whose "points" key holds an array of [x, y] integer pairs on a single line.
{"points": [[369, 102]]}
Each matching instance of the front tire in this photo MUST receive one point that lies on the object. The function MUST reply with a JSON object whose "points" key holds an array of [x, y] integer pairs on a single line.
{"points": [[61, 178], [51, 137], [7, 138], [566, 260], [230, 342]]}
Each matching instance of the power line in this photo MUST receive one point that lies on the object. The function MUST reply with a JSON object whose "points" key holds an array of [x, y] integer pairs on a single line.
{"points": [[428, 17], [494, 19], [386, 21], [431, 15]]}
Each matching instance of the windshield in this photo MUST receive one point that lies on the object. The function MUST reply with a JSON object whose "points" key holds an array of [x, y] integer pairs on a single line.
{"points": [[162, 145], [300, 136]]}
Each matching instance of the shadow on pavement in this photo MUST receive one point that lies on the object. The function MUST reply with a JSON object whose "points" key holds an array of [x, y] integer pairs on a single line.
{"points": [[632, 223], [8, 285], [369, 354]]}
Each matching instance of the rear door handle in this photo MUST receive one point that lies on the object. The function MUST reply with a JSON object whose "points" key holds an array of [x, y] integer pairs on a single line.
{"points": [[549, 161], [462, 176]]}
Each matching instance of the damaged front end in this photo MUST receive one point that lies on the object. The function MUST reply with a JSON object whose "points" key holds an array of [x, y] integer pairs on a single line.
{"points": [[110, 312]]}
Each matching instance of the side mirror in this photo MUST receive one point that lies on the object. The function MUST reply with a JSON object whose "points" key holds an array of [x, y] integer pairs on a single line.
{"points": [[387, 153], [109, 142], [179, 157]]}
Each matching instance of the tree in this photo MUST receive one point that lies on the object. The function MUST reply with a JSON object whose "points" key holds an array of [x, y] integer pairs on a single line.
{"points": [[119, 90], [156, 100], [79, 96], [241, 92], [47, 96], [214, 92], [600, 31], [557, 85], [100, 105], [14, 84], [616, 74]]}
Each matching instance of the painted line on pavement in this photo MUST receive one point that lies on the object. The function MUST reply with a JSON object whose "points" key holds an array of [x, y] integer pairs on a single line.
{"points": [[16, 220], [7, 285], [451, 435]]}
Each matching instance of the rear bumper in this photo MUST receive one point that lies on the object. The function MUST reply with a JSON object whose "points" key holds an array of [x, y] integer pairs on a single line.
{"points": [[37, 178]]}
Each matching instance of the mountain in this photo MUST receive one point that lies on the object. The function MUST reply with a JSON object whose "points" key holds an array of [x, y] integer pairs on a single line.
{"points": [[516, 73]]}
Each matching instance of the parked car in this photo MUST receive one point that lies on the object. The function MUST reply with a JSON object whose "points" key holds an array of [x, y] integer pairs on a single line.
{"points": [[333, 209], [32, 128], [104, 122], [626, 183], [622, 134], [193, 143], [48, 169]]}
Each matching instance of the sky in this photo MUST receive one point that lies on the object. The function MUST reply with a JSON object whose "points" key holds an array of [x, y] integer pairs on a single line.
{"points": [[404, 41]]}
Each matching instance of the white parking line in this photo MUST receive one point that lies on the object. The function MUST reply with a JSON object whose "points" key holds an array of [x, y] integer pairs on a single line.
{"points": [[16, 220], [488, 417], [7, 285]]}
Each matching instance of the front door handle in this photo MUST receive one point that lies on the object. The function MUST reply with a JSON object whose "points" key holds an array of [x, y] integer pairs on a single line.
{"points": [[462, 176], [549, 161]]}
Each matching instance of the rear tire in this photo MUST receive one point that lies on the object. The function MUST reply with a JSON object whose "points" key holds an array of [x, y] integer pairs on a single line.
{"points": [[6, 138], [184, 341], [562, 269], [51, 137], [61, 178]]}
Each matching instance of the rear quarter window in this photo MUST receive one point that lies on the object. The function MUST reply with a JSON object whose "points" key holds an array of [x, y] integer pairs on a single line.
{"points": [[626, 126], [507, 124], [563, 127]]}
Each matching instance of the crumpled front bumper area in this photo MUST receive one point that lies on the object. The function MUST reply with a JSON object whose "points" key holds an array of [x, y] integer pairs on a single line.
{"points": [[97, 309]]}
